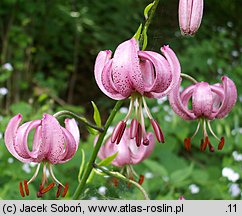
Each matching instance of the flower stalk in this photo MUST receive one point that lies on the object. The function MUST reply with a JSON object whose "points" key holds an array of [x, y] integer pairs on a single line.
{"points": [[78, 118], [89, 167], [123, 178]]}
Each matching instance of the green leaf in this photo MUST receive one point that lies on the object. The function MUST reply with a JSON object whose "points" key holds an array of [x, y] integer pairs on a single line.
{"points": [[181, 175], [96, 115], [155, 167], [138, 32], [92, 130], [81, 170], [108, 160], [147, 9]]}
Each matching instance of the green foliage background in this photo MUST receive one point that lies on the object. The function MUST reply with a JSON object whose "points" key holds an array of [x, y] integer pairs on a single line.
{"points": [[52, 46]]}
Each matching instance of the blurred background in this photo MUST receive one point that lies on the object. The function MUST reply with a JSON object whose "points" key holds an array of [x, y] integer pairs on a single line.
{"points": [[47, 55]]}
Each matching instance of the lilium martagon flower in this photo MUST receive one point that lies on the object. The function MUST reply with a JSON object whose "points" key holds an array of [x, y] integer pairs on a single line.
{"points": [[135, 74], [52, 144], [128, 153], [209, 102]]}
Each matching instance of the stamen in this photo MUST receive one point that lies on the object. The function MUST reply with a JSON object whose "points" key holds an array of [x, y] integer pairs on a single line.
{"points": [[133, 128], [121, 132], [198, 126], [211, 148], [39, 194], [115, 182], [158, 132], [221, 144], [49, 187], [116, 131], [26, 188], [211, 130], [21, 189], [187, 143], [202, 147], [35, 174], [65, 190], [146, 141], [53, 176], [141, 179], [131, 107], [58, 191], [132, 179], [138, 137], [147, 109]]}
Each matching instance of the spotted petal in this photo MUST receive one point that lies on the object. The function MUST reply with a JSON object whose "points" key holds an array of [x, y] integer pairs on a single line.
{"points": [[202, 100], [9, 137], [177, 105], [53, 138], [230, 97]]}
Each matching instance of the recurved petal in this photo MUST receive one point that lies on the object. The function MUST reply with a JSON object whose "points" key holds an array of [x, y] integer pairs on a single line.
{"points": [[72, 127], [177, 105], [230, 97], [202, 100], [102, 58], [70, 148], [21, 144], [140, 153], [123, 67], [108, 84], [9, 137], [160, 72], [53, 138], [174, 66]]}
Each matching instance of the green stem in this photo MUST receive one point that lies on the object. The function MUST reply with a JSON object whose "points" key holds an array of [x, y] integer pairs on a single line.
{"points": [[122, 177], [78, 118], [148, 21], [89, 167], [186, 76]]}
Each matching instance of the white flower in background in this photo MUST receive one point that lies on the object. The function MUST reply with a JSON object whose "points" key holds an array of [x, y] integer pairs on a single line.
{"points": [[26, 168], [194, 189], [7, 66], [149, 175], [3, 91], [124, 110], [93, 198], [162, 100], [237, 156], [234, 190], [102, 190], [1, 135], [10, 160], [230, 174]]}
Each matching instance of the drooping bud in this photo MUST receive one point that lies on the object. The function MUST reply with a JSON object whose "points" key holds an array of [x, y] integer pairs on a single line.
{"points": [[158, 132], [190, 15]]}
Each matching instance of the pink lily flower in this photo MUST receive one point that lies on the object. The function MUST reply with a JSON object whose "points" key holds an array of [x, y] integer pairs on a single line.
{"points": [[208, 102], [190, 15], [128, 153], [52, 144], [136, 74]]}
